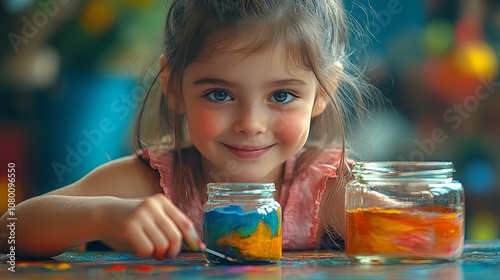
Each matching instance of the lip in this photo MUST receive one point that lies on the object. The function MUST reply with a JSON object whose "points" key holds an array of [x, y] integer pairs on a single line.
{"points": [[248, 152]]}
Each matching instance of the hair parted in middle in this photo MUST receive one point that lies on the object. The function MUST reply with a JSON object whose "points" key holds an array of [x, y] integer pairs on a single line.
{"points": [[314, 35]]}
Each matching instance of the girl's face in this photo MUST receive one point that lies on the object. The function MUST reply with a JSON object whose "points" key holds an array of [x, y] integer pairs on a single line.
{"points": [[248, 114]]}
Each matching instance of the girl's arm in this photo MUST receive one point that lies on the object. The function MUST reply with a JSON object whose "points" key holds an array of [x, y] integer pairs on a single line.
{"points": [[51, 224], [116, 202]]}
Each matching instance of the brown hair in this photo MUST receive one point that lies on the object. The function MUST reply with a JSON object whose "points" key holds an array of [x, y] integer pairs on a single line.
{"points": [[315, 33]]}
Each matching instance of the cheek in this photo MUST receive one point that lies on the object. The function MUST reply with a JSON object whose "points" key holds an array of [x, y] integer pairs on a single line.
{"points": [[291, 129], [203, 126]]}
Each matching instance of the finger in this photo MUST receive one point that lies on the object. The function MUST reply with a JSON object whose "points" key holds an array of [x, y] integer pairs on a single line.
{"points": [[170, 231], [175, 238], [158, 239], [143, 247], [185, 226]]}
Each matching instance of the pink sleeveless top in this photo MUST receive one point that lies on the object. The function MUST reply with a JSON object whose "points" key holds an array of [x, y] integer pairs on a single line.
{"points": [[299, 210]]}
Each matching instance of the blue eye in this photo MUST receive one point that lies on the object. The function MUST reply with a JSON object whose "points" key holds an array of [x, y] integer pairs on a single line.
{"points": [[218, 95], [282, 96]]}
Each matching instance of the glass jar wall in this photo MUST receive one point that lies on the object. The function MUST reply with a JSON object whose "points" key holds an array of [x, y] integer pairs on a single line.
{"points": [[242, 221], [404, 212]]}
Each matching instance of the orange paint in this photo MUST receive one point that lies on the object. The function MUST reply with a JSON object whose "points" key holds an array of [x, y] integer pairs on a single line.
{"points": [[415, 232], [145, 268], [116, 267]]}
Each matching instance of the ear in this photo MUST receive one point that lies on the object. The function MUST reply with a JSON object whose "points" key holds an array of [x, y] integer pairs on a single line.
{"points": [[320, 103], [322, 97]]}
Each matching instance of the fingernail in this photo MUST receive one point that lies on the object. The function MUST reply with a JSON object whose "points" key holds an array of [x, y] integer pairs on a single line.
{"points": [[194, 244], [195, 247], [202, 246]]}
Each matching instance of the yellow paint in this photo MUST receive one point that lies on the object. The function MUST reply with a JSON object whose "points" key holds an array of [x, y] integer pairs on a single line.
{"points": [[57, 266], [260, 245]]}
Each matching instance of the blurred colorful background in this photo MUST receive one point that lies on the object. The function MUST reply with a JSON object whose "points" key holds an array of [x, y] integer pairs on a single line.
{"points": [[70, 72]]}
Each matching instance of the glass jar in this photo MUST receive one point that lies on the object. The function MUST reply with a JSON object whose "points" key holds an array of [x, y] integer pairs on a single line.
{"points": [[404, 212], [243, 221]]}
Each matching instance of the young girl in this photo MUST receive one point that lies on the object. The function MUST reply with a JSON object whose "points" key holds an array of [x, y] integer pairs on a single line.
{"points": [[252, 91]]}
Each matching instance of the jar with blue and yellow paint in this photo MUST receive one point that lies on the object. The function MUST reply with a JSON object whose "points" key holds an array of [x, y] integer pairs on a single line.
{"points": [[242, 220]]}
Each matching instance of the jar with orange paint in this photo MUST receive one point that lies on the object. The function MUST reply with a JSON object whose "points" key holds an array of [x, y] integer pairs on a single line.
{"points": [[242, 221], [404, 212]]}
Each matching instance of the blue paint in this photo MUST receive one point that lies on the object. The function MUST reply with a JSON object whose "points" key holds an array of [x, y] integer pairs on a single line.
{"points": [[223, 221]]}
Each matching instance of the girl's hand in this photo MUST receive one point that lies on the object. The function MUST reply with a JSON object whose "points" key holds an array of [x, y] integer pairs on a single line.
{"points": [[152, 226]]}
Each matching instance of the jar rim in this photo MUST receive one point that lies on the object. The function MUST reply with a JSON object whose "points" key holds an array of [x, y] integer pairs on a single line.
{"points": [[402, 165], [240, 186], [404, 170]]}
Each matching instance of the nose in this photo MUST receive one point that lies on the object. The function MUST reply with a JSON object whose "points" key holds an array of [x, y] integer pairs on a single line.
{"points": [[252, 120]]}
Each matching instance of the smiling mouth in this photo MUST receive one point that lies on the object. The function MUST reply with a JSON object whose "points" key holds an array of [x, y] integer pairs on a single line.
{"points": [[248, 152]]}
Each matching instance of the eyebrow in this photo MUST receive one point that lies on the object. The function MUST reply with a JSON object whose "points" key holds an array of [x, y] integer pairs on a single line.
{"points": [[277, 83]]}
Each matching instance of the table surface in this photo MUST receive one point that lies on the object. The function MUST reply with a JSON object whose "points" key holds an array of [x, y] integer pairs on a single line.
{"points": [[480, 260]]}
